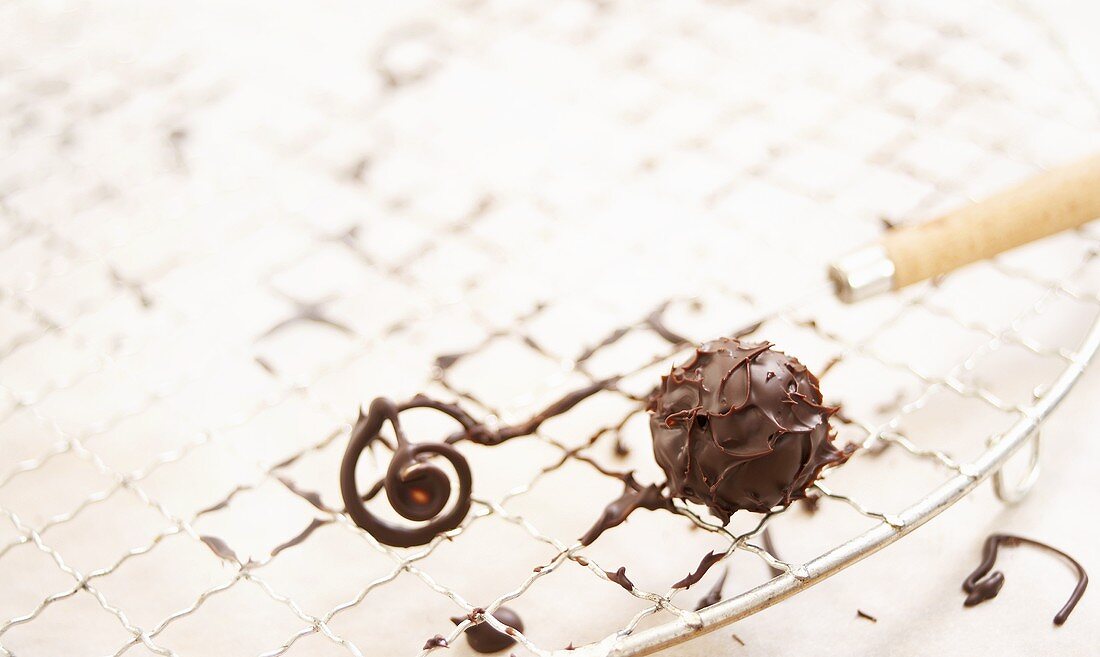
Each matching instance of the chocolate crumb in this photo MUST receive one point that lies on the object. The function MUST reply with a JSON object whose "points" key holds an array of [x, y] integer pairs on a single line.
{"points": [[862, 614], [737, 639]]}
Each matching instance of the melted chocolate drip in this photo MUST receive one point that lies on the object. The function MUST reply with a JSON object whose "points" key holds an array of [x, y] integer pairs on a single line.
{"points": [[436, 641], [483, 637], [741, 426], [708, 561], [714, 595], [811, 502], [634, 497], [766, 539], [981, 585], [620, 578]]}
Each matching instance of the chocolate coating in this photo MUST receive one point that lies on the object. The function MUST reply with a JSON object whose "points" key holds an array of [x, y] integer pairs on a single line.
{"points": [[485, 638], [741, 426]]}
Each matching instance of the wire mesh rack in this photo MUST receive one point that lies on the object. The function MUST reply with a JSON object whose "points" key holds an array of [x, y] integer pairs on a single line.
{"points": [[189, 326]]}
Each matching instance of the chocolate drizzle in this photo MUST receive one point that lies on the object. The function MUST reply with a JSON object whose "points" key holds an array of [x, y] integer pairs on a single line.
{"points": [[415, 488], [620, 578], [634, 497], [769, 547], [301, 536], [981, 585], [708, 561], [220, 548], [741, 426], [485, 638], [714, 595]]}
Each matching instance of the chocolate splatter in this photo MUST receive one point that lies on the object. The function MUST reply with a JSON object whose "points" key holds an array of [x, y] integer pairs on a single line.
{"points": [[303, 535], [981, 585], [483, 637], [225, 501], [313, 497], [634, 497], [707, 562], [446, 361], [862, 614], [620, 578], [220, 548], [714, 595]]}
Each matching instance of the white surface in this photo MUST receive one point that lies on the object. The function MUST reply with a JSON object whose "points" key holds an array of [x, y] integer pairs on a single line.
{"points": [[525, 178]]}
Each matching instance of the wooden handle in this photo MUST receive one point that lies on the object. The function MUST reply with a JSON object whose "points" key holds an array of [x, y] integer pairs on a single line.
{"points": [[1058, 200]]}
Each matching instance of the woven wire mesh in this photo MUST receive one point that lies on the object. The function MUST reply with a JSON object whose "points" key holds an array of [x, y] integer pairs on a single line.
{"points": [[188, 328]]}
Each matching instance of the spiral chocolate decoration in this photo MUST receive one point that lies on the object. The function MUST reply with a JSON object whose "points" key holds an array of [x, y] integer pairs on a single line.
{"points": [[415, 488]]}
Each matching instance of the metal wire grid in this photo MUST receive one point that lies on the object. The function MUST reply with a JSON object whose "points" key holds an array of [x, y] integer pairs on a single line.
{"points": [[31, 300]]}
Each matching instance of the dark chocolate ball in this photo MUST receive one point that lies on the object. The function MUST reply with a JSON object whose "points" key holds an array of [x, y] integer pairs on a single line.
{"points": [[741, 426], [485, 638]]}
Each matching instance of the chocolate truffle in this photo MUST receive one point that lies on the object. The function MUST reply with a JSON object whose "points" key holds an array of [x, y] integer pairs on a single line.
{"points": [[741, 426]]}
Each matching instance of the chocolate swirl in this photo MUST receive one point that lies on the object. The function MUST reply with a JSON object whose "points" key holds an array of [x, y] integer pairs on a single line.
{"points": [[416, 488], [741, 426]]}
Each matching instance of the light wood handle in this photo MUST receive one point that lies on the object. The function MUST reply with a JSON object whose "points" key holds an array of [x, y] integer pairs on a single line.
{"points": [[1058, 200]]}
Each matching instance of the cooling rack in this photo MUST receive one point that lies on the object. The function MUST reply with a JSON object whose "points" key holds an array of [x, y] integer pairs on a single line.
{"points": [[204, 276]]}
